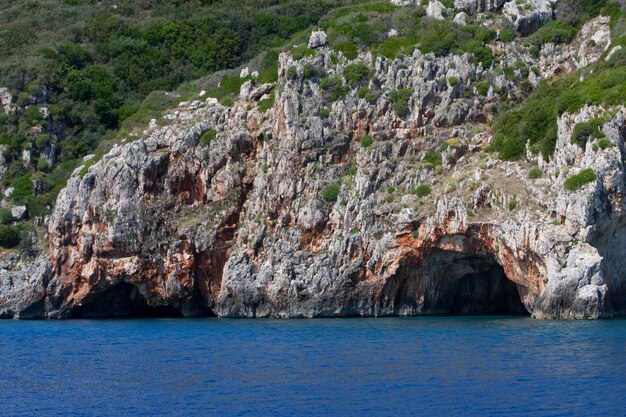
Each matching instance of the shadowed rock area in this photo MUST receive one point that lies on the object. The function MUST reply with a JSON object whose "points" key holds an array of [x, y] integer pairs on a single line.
{"points": [[121, 300], [453, 283]]}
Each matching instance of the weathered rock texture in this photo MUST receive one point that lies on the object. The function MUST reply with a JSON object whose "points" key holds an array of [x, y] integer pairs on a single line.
{"points": [[6, 100], [590, 43], [528, 15], [166, 224], [478, 6]]}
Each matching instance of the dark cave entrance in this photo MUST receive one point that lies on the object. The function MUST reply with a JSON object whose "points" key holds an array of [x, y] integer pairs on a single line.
{"points": [[487, 292], [456, 283], [122, 301]]}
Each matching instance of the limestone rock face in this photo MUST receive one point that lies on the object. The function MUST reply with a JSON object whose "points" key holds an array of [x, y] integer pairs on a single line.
{"points": [[528, 15], [161, 207], [406, 2], [235, 212], [591, 42], [478, 6], [23, 286]]}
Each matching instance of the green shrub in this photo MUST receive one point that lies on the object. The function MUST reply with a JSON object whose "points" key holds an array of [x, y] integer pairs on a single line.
{"points": [[311, 72], [228, 101], [421, 190], [268, 69], [9, 236], [453, 81], [267, 103], [301, 51], [596, 127], [42, 164], [226, 92], [534, 121], [207, 137], [400, 100], [512, 205], [605, 144], [355, 74], [509, 74], [391, 47], [391, 190], [577, 181], [483, 54], [368, 95], [32, 116], [380, 7], [535, 173], [41, 141], [292, 73], [482, 87], [5, 216], [433, 157], [334, 88], [534, 51], [23, 189], [331, 193], [506, 36], [581, 133], [348, 49], [324, 112], [366, 141], [554, 32]]}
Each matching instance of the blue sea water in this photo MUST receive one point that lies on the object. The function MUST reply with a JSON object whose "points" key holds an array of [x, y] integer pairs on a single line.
{"points": [[337, 367]]}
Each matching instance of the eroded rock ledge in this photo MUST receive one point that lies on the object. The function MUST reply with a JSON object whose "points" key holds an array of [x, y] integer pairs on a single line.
{"points": [[168, 225]]}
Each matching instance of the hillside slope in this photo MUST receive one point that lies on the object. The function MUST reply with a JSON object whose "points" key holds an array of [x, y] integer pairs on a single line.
{"points": [[398, 166]]}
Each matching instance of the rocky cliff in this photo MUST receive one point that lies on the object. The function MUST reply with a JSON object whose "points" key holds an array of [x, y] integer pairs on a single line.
{"points": [[331, 205]]}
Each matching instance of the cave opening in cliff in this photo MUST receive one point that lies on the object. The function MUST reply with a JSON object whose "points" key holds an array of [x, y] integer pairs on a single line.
{"points": [[122, 301], [457, 283]]}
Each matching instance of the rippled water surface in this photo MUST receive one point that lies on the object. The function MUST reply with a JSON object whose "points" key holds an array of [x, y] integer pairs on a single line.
{"points": [[340, 367]]}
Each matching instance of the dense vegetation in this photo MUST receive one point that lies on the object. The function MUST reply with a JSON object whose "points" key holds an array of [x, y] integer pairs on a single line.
{"points": [[366, 27], [92, 64]]}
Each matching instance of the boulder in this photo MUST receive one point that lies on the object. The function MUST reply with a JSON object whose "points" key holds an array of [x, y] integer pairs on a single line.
{"points": [[435, 9], [19, 212], [460, 18], [318, 39]]}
